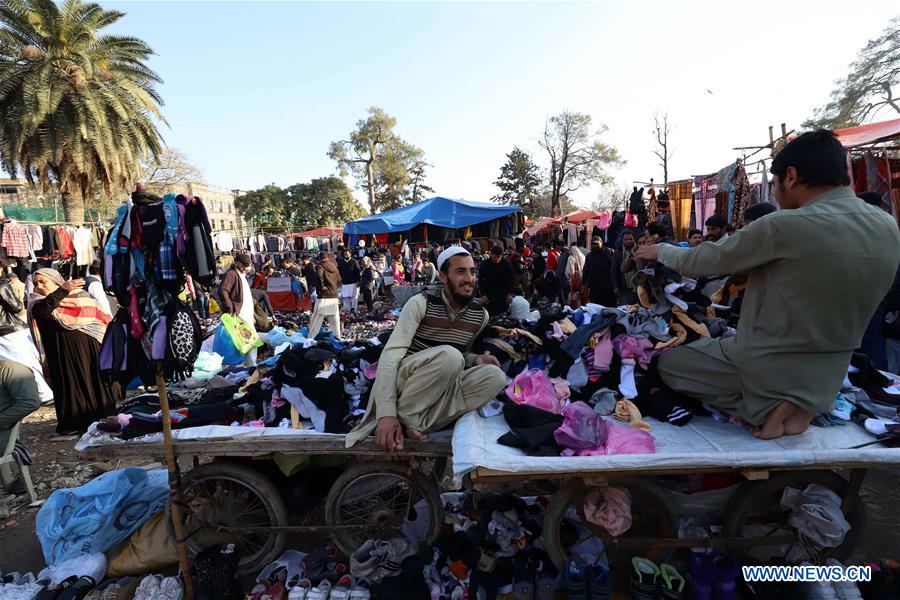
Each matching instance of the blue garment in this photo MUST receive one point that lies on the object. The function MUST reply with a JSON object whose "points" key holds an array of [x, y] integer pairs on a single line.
{"points": [[170, 210], [165, 264], [99, 514], [112, 243]]}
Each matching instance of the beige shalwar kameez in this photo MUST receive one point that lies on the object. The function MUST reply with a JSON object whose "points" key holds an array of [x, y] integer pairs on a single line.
{"points": [[817, 274]]}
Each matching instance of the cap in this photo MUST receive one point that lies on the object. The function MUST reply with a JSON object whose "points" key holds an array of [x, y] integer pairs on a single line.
{"points": [[450, 253], [243, 258]]}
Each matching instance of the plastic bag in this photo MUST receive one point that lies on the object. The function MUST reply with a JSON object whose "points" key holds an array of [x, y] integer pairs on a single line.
{"points": [[224, 347], [816, 515], [279, 336], [243, 336], [610, 508], [582, 427], [149, 549], [533, 388], [99, 514], [621, 439], [207, 365]]}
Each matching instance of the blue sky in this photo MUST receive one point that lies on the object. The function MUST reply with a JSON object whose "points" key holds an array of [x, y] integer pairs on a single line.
{"points": [[255, 92]]}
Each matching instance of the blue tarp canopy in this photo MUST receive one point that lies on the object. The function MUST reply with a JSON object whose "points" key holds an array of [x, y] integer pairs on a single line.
{"points": [[442, 212]]}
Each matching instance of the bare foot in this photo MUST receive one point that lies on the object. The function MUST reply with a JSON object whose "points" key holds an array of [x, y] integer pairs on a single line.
{"points": [[415, 434], [797, 422], [774, 425]]}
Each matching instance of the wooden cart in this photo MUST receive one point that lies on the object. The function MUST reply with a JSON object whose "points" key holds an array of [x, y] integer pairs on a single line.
{"points": [[229, 500]]}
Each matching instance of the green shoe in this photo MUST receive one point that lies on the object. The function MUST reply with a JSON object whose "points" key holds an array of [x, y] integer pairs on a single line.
{"points": [[672, 586], [645, 580]]}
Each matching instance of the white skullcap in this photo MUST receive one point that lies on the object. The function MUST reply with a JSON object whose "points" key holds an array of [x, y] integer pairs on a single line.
{"points": [[450, 253]]}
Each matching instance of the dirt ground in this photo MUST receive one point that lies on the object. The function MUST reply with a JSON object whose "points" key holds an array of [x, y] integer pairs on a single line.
{"points": [[56, 465]]}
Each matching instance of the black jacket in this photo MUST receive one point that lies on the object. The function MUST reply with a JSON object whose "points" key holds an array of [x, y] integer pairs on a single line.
{"points": [[10, 306], [329, 279], [312, 279], [495, 279], [349, 271]]}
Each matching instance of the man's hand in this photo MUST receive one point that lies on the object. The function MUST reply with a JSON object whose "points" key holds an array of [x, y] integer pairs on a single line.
{"points": [[73, 284], [389, 434], [487, 359], [647, 252]]}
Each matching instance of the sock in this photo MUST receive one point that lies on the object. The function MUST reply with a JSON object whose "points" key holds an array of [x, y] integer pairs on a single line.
{"points": [[626, 379]]}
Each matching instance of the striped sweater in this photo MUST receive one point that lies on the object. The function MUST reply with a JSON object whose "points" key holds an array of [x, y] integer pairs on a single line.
{"points": [[439, 328]]}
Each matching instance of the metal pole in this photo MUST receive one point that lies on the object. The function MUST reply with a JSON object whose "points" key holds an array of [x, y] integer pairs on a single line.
{"points": [[174, 484]]}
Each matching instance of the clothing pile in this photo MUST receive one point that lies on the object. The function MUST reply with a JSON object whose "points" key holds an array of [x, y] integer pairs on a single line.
{"points": [[577, 375]]}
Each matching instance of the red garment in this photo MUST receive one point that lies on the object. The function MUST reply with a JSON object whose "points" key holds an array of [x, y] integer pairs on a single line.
{"points": [[66, 246], [527, 251], [260, 282], [381, 239], [552, 260], [15, 241]]}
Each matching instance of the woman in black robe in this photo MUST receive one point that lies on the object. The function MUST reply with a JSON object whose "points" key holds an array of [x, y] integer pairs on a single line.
{"points": [[70, 325]]}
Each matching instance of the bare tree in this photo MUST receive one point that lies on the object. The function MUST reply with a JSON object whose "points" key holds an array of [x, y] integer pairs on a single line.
{"points": [[577, 156], [171, 171], [359, 154], [662, 130]]}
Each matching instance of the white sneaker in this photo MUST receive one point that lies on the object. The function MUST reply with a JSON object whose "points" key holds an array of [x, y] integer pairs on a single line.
{"points": [[342, 588], [301, 590], [148, 588], [320, 592], [361, 591], [170, 589]]}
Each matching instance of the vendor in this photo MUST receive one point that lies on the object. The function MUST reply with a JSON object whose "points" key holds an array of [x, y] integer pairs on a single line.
{"points": [[817, 270], [236, 297], [496, 282], [427, 376]]}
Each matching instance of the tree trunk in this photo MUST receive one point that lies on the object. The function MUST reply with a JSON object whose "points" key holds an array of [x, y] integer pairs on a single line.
{"points": [[73, 207], [370, 179]]}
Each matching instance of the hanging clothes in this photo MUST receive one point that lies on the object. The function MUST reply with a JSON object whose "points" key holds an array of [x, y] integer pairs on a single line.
{"points": [[741, 196], [652, 207]]}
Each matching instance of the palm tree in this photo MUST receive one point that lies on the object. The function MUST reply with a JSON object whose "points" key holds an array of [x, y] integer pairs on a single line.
{"points": [[78, 110]]}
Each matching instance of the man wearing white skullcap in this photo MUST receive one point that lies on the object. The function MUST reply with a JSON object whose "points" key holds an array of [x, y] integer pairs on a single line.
{"points": [[427, 375]]}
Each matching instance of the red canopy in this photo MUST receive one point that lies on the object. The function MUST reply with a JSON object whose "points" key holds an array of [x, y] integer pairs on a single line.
{"points": [[319, 232], [869, 134]]}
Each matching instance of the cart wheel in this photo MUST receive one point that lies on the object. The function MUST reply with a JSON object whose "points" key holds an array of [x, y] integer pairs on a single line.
{"points": [[227, 495], [754, 511], [382, 500], [649, 514]]}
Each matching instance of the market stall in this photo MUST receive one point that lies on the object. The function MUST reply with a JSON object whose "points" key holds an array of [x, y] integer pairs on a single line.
{"points": [[875, 161], [438, 220]]}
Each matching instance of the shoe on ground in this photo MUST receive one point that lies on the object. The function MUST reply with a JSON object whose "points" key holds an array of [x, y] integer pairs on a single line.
{"points": [[575, 579], [301, 590], [320, 592], [672, 585], [599, 582], [644, 579], [148, 588], [341, 590], [171, 588]]}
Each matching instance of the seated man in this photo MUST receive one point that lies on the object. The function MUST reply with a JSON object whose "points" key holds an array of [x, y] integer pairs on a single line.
{"points": [[427, 377], [817, 270], [18, 397]]}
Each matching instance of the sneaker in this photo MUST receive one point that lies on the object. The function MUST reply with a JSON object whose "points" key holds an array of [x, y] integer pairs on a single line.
{"points": [[644, 580], [148, 588], [672, 585], [546, 589], [320, 592], [575, 579], [315, 564], [300, 591], [599, 582], [170, 589], [341, 590]]}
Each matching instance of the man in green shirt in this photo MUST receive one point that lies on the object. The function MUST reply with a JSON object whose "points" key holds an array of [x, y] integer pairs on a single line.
{"points": [[18, 397], [817, 270]]}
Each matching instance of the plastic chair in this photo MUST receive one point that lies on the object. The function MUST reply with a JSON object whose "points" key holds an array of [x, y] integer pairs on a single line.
{"points": [[7, 457]]}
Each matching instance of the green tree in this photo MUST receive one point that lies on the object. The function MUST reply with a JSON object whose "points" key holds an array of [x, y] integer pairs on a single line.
{"points": [[380, 161], [78, 109], [418, 187], [519, 181], [325, 201], [577, 156], [266, 207], [870, 86]]}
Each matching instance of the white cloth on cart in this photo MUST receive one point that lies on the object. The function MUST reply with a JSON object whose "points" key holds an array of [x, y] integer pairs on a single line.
{"points": [[701, 443]]}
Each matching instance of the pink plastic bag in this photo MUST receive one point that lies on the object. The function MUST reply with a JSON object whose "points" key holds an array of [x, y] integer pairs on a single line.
{"points": [[582, 427], [621, 439], [532, 387], [610, 508]]}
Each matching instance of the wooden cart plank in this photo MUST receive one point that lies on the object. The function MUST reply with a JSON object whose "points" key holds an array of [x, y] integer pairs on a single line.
{"points": [[264, 446]]}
